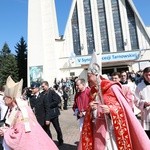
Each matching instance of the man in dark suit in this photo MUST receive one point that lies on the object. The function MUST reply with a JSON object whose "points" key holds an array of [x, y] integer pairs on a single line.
{"points": [[40, 106], [53, 99]]}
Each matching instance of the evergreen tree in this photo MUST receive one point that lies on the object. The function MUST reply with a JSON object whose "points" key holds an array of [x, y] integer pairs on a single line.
{"points": [[21, 57], [8, 65], [5, 50]]}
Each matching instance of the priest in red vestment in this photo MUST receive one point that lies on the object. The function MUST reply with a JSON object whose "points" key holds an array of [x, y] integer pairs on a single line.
{"points": [[109, 122]]}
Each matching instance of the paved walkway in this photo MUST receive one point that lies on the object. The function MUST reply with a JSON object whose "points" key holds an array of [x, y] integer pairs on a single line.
{"points": [[69, 126]]}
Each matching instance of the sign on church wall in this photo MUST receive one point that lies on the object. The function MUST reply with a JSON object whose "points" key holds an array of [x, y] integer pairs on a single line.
{"points": [[36, 74]]}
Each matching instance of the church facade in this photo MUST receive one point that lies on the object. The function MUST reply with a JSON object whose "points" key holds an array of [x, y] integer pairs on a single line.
{"points": [[114, 29]]}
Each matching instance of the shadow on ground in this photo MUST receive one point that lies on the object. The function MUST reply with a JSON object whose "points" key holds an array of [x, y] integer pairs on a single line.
{"points": [[66, 146]]}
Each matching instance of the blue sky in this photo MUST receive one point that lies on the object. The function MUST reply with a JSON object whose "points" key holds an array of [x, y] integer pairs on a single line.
{"points": [[13, 18]]}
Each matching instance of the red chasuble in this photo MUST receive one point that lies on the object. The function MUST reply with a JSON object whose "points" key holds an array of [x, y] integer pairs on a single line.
{"points": [[118, 117]]}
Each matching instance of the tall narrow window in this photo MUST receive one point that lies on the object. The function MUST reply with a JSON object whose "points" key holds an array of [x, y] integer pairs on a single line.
{"points": [[89, 26], [75, 32], [103, 26], [132, 27], [117, 25]]}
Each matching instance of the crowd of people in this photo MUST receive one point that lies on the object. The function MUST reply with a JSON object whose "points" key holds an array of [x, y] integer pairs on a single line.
{"points": [[66, 88], [113, 111]]}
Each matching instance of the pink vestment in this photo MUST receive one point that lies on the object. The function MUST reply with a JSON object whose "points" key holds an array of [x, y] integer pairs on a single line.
{"points": [[129, 95], [140, 140], [37, 139]]}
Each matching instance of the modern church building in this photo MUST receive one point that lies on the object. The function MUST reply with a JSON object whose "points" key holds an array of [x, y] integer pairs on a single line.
{"points": [[112, 28]]}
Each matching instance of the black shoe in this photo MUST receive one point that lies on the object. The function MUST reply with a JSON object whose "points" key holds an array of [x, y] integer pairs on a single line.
{"points": [[60, 143]]}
